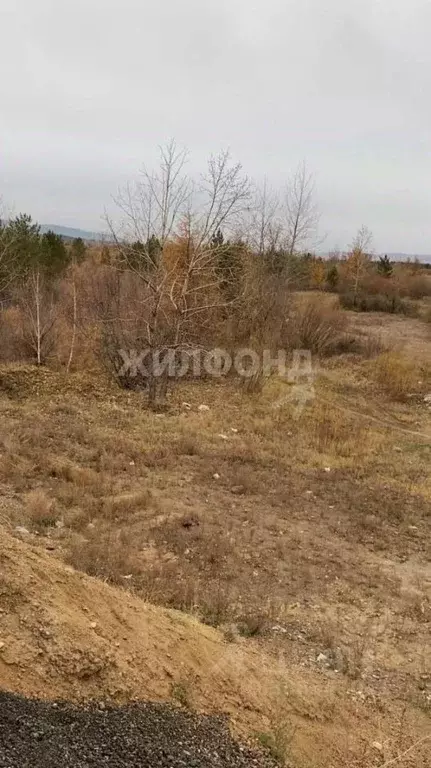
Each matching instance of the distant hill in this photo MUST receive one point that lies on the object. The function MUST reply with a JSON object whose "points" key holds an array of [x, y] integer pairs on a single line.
{"points": [[424, 259], [70, 233], [397, 257]]}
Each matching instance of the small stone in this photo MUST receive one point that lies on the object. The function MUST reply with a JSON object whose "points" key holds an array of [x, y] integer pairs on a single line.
{"points": [[235, 431], [1, 646], [222, 436], [131, 463], [186, 405], [327, 469], [322, 659], [23, 531], [93, 625], [378, 746], [204, 408], [216, 476]]}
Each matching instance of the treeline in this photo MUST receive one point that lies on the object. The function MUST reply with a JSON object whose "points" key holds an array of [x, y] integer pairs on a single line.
{"points": [[32, 268], [189, 266]]}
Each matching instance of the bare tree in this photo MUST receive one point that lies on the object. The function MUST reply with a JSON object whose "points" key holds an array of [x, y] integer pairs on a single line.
{"points": [[359, 257], [182, 283], [225, 192], [73, 268], [154, 205], [301, 217], [36, 298], [265, 226]]}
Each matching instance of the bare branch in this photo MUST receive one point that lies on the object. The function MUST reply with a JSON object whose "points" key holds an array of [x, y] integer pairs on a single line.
{"points": [[226, 191], [301, 217], [265, 226]]}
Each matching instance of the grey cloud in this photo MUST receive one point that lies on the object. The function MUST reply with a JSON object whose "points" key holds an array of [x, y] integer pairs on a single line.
{"points": [[93, 87]]}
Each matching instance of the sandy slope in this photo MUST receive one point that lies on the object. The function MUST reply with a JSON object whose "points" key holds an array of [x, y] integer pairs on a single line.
{"points": [[64, 634]]}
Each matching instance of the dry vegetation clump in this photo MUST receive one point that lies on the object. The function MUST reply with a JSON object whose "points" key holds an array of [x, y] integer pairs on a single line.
{"points": [[108, 554], [317, 324], [39, 509], [397, 375], [376, 302]]}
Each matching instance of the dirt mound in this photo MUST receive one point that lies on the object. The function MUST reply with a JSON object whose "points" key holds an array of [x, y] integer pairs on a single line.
{"points": [[21, 381], [66, 635]]}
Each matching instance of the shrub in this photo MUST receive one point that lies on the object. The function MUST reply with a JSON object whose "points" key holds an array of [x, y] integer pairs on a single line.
{"points": [[317, 324], [378, 302], [106, 554], [395, 374], [40, 509]]}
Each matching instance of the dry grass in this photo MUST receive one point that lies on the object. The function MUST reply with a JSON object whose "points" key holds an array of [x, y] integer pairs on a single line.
{"points": [[317, 324], [39, 508], [289, 532], [397, 375], [108, 554]]}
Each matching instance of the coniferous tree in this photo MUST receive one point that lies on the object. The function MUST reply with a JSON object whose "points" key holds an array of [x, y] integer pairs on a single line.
{"points": [[384, 266], [332, 277]]}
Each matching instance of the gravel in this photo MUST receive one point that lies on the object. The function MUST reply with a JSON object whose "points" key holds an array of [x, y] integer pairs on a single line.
{"points": [[36, 734]]}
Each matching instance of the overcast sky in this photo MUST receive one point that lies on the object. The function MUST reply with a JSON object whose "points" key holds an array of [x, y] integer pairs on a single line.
{"points": [[89, 88]]}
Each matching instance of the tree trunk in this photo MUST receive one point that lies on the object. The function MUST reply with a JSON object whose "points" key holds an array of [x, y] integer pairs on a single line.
{"points": [[72, 343]]}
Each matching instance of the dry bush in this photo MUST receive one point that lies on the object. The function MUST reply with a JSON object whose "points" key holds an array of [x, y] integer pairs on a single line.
{"points": [[368, 346], [378, 302], [415, 286], [125, 506], [257, 316], [107, 554], [39, 508], [173, 583], [252, 625], [333, 433], [83, 477], [187, 445], [317, 324], [395, 374], [159, 457], [12, 346], [278, 742], [254, 384]]}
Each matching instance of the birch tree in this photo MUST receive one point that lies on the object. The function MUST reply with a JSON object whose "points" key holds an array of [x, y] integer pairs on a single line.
{"points": [[359, 258], [179, 288], [300, 213], [266, 226]]}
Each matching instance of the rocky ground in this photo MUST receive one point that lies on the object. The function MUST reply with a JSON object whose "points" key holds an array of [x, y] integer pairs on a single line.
{"points": [[35, 734]]}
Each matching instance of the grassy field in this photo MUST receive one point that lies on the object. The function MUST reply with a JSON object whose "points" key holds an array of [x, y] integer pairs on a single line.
{"points": [[307, 535]]}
